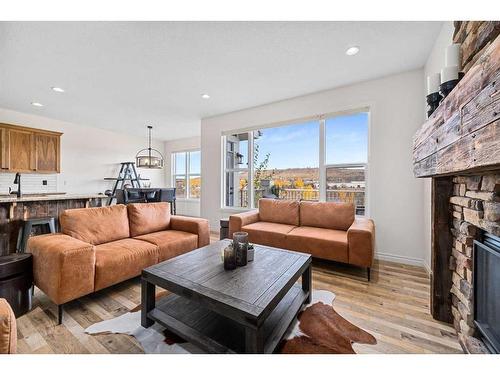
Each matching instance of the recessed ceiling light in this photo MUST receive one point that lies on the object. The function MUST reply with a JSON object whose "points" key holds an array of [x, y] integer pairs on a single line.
{"points": [[57, 89], [351, 51], [36, 104], [205, 96]]}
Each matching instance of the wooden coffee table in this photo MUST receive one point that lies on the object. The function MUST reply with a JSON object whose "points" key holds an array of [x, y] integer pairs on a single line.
{"points": [[247, 310]]}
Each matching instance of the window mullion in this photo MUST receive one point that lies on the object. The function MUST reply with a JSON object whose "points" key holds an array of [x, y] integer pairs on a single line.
{"points": [[251, 197], [188, 161], [322, 157]]}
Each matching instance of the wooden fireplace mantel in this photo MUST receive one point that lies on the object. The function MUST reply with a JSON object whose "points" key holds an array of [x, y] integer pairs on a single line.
{"points": [[463, 134]]}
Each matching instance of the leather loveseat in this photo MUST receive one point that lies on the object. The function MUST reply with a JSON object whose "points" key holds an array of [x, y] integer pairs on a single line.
{"points": [[100, 247], [326, 230]]}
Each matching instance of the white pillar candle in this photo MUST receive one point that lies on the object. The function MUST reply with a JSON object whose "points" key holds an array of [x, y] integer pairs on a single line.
{"points": [[449, 73], [433, 82], [452, 55]]}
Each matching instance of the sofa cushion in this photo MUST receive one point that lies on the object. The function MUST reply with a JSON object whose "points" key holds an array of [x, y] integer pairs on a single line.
{"points": [[330, 215], [171, 242], [8, 330], [96, 225], [319, 242], [121, 260], [148, 217], [279, 211], [265, 233]]}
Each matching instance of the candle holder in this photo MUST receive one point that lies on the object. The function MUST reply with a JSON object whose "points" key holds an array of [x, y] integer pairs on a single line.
{"points": [[250, 252], [229, 257], [446, 87], [433, 102], [240, 244]]}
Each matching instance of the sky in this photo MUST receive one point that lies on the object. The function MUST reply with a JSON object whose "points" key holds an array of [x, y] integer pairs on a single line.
{"points": [[296, 146], [194, 165]]}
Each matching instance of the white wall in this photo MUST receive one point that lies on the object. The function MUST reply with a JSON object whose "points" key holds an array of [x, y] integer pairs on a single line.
{"points": [[434, 63], [88, 154], [394, 195], [189, 207]]}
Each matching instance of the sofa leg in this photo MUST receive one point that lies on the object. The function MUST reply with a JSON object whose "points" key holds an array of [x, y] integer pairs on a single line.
{"points": [[59, 314], [368, 272]]}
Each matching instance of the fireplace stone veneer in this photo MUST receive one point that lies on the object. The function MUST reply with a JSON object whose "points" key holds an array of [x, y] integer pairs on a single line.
{"points": [[475, 207]]}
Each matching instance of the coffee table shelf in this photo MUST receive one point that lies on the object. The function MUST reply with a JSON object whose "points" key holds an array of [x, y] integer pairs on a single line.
{"points": [[217, 334]]}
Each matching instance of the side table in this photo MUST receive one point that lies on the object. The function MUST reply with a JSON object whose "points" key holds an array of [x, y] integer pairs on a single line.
{"points": [[16, 281], [224, 229]]}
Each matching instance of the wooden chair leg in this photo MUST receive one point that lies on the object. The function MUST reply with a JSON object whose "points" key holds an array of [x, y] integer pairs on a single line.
{"points": [[368, 273]]}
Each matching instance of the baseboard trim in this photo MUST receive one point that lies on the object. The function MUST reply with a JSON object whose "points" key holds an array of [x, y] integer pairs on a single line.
{"points": [[427, 268], [401, 259]]}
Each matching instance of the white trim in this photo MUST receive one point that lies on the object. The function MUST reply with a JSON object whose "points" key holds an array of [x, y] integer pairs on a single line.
{"points": [[322, 160], [366, 107], [188, 200], [427, 267], [236, 209], [250, 192], [400, 259]]}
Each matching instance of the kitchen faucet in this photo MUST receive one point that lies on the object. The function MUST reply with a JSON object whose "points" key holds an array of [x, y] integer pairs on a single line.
{"points": [[17, 180]]}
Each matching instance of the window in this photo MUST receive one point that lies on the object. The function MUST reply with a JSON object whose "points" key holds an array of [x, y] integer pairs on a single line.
{"points": [[186, 174], [286, 162], [346, 141], [236, 170]]}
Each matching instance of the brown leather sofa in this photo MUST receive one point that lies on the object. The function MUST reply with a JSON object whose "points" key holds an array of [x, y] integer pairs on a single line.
{"points": [[8, 329], [326, 230], [100, 247]]}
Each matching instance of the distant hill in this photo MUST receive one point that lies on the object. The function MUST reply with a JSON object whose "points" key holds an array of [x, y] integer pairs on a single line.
{"points": [[312, 174]]}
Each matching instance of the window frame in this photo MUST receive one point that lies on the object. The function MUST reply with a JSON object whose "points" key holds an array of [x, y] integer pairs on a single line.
{"points": [[248, 169], [186, 173], [321, 150]]}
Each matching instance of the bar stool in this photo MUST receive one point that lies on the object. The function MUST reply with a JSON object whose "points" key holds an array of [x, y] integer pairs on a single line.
{"points": [[28, 225]]}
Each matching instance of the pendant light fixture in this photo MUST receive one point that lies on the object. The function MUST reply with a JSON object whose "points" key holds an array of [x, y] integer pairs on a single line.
{"points": [[149, 157]]}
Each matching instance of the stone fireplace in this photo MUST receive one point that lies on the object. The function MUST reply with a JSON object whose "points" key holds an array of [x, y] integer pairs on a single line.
{"points": [[459, 148], [474, 209]]}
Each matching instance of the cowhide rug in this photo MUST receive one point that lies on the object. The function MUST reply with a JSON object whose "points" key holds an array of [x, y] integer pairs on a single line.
{"points": [[317, 329]]}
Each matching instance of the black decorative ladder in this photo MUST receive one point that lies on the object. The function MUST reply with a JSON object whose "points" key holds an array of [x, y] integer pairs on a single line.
{"points": [[127, 173]]}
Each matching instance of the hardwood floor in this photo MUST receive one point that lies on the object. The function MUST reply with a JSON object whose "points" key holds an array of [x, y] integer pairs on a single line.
{"points": [[393, 307]]}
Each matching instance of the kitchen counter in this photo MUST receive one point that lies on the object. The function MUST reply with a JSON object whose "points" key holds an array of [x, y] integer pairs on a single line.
{"points": [[13, 212], [48, 197]]}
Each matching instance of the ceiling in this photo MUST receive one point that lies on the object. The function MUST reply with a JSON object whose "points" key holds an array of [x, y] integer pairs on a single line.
{"points": [[124, 75]]}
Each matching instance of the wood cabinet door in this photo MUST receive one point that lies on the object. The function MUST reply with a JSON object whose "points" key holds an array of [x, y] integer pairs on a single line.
{"points": [[21, 150], [4, 152], [47, 153]]}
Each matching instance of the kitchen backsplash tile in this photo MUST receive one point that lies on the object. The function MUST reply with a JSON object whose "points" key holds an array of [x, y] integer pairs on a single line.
{"points": [[30, 183]]}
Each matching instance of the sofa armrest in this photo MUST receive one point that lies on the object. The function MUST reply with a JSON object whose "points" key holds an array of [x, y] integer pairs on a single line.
{"points": [[240, 220], [361, 241], [192, 225], [63, 267], [8, 329]]}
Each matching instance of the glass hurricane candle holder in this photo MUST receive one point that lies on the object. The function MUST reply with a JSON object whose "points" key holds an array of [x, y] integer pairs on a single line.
{"points": [[229, 257], [240, 244]]}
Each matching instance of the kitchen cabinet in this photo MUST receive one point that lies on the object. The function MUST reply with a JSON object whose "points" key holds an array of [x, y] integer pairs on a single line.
{"points": [[47, 152], [29, 150]]}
